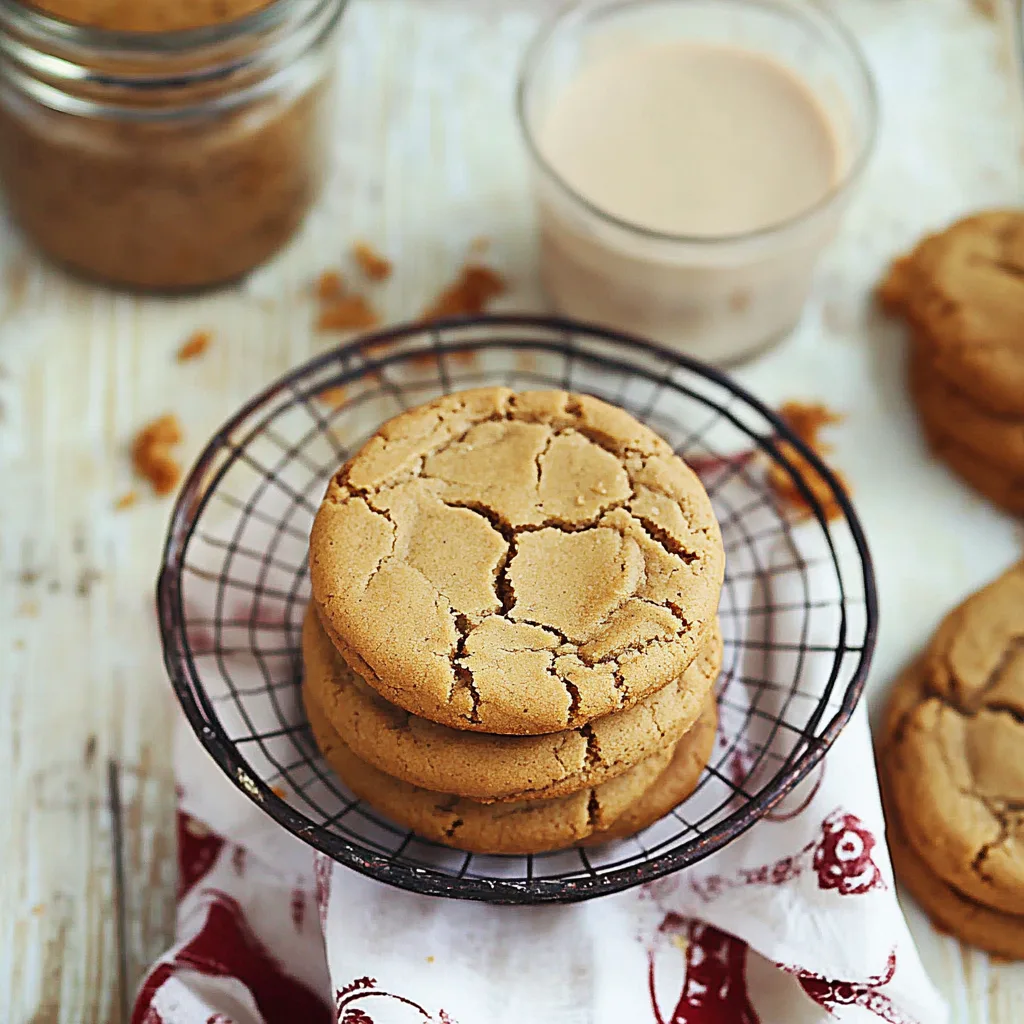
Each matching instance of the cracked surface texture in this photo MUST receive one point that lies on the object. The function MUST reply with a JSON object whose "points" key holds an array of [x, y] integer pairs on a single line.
{"points": [[516, 563], [953, 748], [950, 910], [963, 289], [672, 787], [486, 767], [524, 827]]}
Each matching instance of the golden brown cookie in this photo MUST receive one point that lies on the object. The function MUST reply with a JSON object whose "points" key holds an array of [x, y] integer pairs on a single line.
{"points": [[516, 563], [674, 784], [998, 441], [981, 449], [963, 290], [533, 826], [949, 910], [485, 767], [952, 750], [999, 485]]}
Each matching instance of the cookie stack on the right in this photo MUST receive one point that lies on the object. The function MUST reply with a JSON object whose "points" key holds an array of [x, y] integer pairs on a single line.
{"points": [[952, 770], [962, 292]]}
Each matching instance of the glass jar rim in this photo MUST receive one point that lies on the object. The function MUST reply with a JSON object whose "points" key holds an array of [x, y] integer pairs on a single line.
{"points": [[535, 53]]}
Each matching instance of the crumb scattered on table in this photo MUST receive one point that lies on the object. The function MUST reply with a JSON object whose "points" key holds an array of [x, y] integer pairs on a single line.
{"points": [[430, 959], [330, 285], [38, 909], [196, 344], [347, 314], [333, 398], [28, 609], [806, 420], [279, 791], [152, 454], [375, 266], [469, 294], [126, 501]]}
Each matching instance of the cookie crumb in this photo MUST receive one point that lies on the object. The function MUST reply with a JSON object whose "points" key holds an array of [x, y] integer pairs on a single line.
{"points": [[38, 909], [279, 791], [126, 501], [806, 420], [28, 609], [347, 314], [479, 245], [371, 263], [469, 294], [152, 456], [430, 959], [194, 346], [333, 398], [329, 285]]}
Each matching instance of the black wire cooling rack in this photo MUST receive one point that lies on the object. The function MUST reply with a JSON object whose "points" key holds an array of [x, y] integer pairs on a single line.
{"points": [[798, 609]]}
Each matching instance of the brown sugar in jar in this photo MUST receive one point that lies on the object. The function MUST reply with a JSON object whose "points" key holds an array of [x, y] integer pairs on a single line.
{"points": [[148, 15], [164, 160]]}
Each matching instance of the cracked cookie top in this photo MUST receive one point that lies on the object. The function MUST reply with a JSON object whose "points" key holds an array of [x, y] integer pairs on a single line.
{"points": [[491, 768], [954, 747], [964, 290], [516, 563]]}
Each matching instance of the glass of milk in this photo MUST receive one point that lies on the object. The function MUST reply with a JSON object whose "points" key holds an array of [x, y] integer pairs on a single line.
{"points": [[691, 159]]}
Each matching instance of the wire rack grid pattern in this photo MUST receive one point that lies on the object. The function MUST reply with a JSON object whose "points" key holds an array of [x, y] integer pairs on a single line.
{"points": [[797, 612]]}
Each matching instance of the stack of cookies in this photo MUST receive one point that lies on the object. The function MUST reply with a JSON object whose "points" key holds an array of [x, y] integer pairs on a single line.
{"points": [[962, 291], [951, 756], [513, 641]]}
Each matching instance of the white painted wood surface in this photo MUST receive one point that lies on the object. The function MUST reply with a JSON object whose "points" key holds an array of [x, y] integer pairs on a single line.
{"points": [[428, 158]]}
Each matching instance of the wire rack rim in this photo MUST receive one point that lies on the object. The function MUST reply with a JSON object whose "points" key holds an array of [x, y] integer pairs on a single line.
{"points": [[204, 720]]}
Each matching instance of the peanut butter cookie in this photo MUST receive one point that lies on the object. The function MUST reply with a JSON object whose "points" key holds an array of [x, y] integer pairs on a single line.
{"points": [[949, 910], [963, 291], [984, 450], [516, 563], [525, 827], [674, 784], [490, 768], [997, 440], [953, 748]]}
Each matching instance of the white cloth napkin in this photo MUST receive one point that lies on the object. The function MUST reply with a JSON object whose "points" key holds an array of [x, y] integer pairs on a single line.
{"points": [[795, 922]]}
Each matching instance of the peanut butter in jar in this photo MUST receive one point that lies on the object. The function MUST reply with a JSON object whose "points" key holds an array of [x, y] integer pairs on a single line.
{"points": [[173, 144]]}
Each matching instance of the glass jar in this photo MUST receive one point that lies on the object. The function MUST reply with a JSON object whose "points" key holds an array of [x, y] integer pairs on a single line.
{"points": [[719, 297], [165, 161]]}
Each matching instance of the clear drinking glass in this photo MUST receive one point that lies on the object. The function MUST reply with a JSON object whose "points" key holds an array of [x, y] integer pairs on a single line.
{"points": [[720, 298]]}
